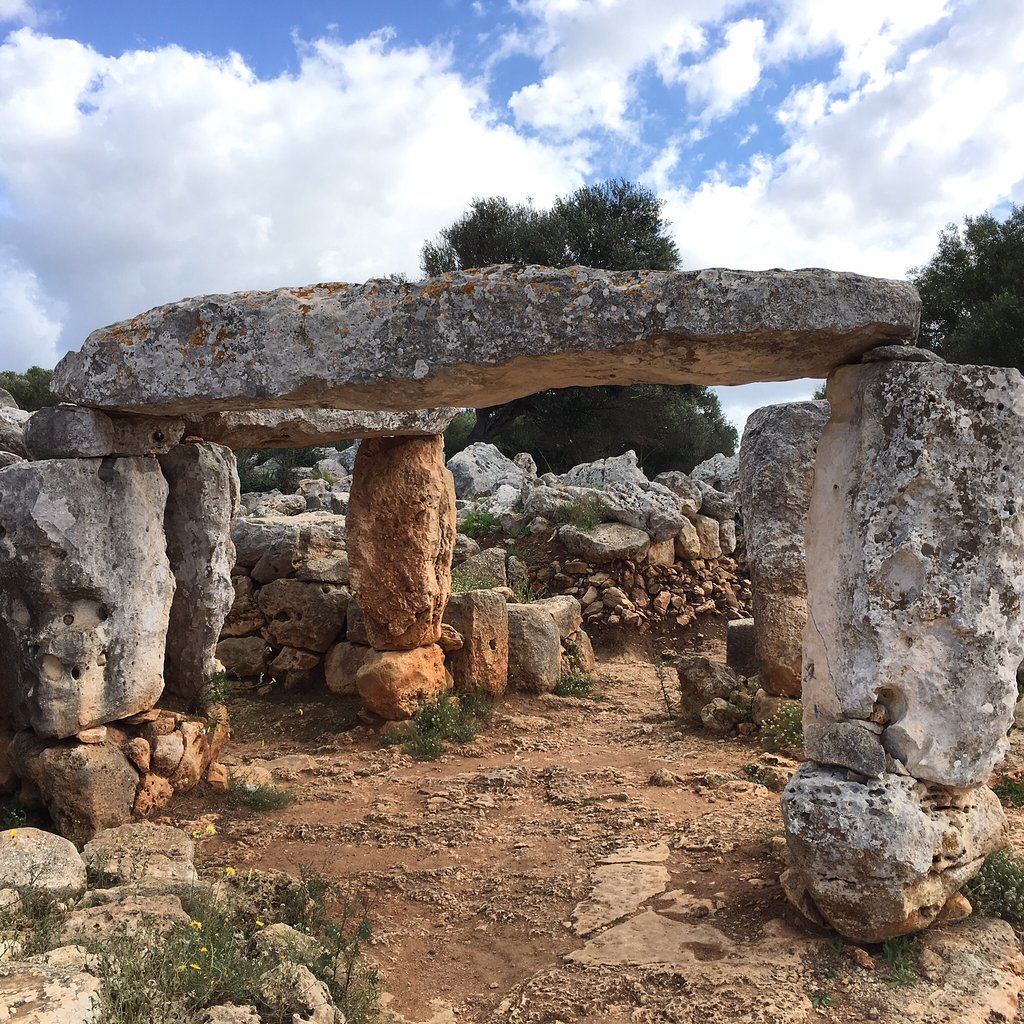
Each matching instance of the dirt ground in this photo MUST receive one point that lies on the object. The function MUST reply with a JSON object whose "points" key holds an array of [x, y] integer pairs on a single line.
{"points": [[584, 859]]}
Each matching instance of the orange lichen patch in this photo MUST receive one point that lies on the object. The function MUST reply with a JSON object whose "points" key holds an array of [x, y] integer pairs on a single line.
{"points": [[468, 288], [436, 288]]}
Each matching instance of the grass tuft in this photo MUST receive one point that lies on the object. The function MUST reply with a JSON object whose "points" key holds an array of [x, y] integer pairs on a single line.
{"points": [[455, 720], [998, 889]]}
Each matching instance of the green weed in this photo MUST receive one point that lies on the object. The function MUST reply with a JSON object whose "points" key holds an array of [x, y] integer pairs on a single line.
{"points": [[464, 580], [455, 720], [821, 1000], [259, 797], [574, 684], [479, 524], [784, 731], [583, 513], [901, 960], [1010, 791], [998, 889]]}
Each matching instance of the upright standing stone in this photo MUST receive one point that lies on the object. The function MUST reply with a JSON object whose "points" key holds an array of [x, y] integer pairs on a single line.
{"points": [[85, 591], [776, 470], [915, 568], [203, 495], [481, 618], [401, 535]]}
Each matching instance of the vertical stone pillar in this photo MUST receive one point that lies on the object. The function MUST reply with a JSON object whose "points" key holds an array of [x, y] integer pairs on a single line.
{"points": [[915, 568], [776, 470], [202, 497], [401, 536]]}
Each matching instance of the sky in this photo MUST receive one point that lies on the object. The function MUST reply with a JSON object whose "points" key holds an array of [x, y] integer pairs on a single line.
{"points": [[151, 150]]}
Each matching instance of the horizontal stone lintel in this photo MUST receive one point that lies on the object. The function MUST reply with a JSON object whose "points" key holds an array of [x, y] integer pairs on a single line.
{"points": [[481, 337]]}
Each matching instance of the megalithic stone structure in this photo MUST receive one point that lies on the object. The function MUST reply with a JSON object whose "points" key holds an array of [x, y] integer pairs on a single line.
{"points": [[776, 472], [915, 568]]}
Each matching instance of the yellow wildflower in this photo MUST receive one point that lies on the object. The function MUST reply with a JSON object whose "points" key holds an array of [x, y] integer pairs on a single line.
{"points": [[14, 832], [203, 949], [260, 924], [198, 925], [230, 872], [211, 830], [195, 967]]}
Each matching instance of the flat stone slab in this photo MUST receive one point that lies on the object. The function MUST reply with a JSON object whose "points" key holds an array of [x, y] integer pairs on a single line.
{"points": [[300, 428], [481, 337]]}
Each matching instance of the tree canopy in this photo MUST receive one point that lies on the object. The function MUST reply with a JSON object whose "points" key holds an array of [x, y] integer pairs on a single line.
{"points": [[31, 389], [972, 290], [613, 225]]}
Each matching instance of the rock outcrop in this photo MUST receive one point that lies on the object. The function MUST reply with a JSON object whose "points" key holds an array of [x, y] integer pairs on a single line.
{"points": [[85, 591], [482, 337], [776, 470]]}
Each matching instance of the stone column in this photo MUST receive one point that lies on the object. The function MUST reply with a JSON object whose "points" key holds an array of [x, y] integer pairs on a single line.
{"points": [[401, 535], [776, 470], [915, 567], [202, 497]]}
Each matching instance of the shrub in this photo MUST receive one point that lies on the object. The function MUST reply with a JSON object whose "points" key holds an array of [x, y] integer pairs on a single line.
{"points": [[464, 579], [583, 513], [574, 684], [998, 889], [259, 797], [479, 524], [784, 731], [449, 720]]}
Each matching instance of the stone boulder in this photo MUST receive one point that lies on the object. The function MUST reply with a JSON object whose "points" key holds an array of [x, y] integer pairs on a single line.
{"points": [[401, 527], [72, 432], [483, 570], [144, 855], [776, 473], [12, 432], [617, 472], [481, 337], [40, 861], [396, 684], [907, 848], [914, 564], [309, 616], [534, 649], [202, 498], [341, 666], [480, 469], [684, 488], [702, 682], [244, 657], [481, 617], [605, 543], [720, 471], [52, 995], [85, 591]]}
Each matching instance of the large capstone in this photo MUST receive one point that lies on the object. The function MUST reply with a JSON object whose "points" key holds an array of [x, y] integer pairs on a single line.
{"points": [[203, 496], [776, 470], [482, 337], [401, 535], [85, 591], [915, 566], [877, 858]]}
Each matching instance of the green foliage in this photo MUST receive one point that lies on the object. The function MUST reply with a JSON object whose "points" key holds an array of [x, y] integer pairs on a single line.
{"points": [[673, 704], [450, 719], [821, 1000], [272, 469], [34, 921], [31, 389], [583, 513], [972, 290], [258, 797], [998, 889], [901, 961], [1010, 791], [456, 437], [574, 684], [465, 579], [614, 225], [784, 731], [479, 524], [165, 978]]}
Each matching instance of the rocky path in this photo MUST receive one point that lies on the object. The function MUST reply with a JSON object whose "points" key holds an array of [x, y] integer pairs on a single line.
{"points": [[582, 860]]}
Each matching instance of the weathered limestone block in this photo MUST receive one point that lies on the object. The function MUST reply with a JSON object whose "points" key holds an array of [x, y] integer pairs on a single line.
{"points": [[86, 787], [202, 497], [534, 649], [481, 337], [484, 569], [144, 854], [566, 612], [915, 564], [396, 684], [684, 488], [481, 663], [776, 472], [245, 657], [12, 432], [342, 663], [306, 615], [85, 591], [42, 862], [883, 857], [709, 537], [305, 427], [481, 469], [245, 616], [606, 542], [54, 995], [73, 432], [401, 534], [687, 541], [294, 668]]}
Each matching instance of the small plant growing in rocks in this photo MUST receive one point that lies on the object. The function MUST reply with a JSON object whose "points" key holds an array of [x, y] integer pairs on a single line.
{"points": [[1010, 790], [998, 889], [259, 797], [900, 959], [784, 731], [574, 684], [583, 513], [464, 580], [479, 524]]}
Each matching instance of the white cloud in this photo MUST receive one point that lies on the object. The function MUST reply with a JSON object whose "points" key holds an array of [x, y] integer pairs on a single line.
{"points": [[865, 183], [31, 325], [719, 84], [137, 180], [19, 11]]}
